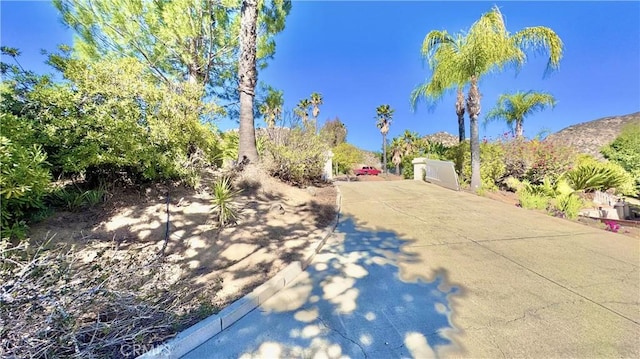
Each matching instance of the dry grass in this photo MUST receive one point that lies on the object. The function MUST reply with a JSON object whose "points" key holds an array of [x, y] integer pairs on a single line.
{"points": [[114, 296]]}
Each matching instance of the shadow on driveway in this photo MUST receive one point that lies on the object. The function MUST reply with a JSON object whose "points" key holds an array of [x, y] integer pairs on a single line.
{"points": [[351, 301]]}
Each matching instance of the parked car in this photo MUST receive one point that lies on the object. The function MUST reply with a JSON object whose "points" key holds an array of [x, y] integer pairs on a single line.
{"points": [[367, 171]]}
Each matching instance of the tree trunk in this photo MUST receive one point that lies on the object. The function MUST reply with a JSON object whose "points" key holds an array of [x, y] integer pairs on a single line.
{"points": [[247, 80], [460, 113], [398, 169], [519, 130], [384, 153], [473, 108]]}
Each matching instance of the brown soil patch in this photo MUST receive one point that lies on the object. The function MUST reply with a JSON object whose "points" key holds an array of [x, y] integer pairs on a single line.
{"points": [[278, 224]]}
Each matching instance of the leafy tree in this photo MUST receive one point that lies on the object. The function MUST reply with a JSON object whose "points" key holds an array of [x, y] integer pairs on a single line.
{"points": [[625, 151], [271, 108], [384, 114], [513, 108], [345, 156], [215, 44], [465, 58], [334, 131]]}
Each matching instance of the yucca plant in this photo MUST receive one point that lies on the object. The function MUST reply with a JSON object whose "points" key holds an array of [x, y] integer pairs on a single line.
{"points": [[591, 177], [224, 209]]}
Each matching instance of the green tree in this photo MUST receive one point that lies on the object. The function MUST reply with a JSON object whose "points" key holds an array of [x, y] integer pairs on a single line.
{"points": [[625, 151], [384, 114], [334, 131], [513, 108], [215, 44], [485, 48], [345, 156]]}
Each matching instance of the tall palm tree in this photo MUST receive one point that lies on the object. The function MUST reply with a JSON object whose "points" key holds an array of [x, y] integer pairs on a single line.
{"points": [[247, 78], [271, 109], [302, 110], [316, 101], [384, 113], [439, 45], [513, 108], [486, 47]]}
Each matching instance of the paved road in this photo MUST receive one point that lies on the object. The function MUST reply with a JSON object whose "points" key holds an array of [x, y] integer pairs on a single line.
{"points": [[415, 270]]}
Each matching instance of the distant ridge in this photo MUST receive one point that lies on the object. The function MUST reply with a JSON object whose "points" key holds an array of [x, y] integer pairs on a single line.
{"points": [[444, 138], [590, 137]]}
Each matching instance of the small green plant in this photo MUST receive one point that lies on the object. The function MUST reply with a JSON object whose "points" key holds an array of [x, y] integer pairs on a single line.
{"points": [[533, 200], [224, 208], [591, 174], [567, 204], [75, 199]]}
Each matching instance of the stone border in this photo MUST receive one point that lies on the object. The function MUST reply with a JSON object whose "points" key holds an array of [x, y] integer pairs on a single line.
{"points": [[194, 336]]}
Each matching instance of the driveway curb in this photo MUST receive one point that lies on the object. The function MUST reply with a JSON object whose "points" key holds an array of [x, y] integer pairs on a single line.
{"points": [[192, 337]]}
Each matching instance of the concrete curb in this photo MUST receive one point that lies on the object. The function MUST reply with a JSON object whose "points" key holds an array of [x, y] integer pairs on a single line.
{"points": [[204, 330]]}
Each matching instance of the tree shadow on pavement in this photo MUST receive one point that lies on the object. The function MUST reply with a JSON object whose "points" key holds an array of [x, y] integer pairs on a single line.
{"points": [[351, 301]]}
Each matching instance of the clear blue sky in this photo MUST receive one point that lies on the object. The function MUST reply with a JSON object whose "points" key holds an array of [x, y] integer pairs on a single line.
{"points": [[362, 54]]}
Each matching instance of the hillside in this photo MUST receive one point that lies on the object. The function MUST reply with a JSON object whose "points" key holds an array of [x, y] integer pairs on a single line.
{"points": [[590, 137]]}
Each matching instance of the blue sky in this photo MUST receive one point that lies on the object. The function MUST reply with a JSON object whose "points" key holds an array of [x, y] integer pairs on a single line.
{"points": [[362, 54]]}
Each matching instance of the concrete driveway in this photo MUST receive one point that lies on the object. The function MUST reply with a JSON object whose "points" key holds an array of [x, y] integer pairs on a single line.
{"points": [[414, 270]]}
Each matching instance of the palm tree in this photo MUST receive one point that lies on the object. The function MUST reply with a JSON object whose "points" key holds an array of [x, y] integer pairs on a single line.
{"points": [[302, 110], [271, 109], [248, 77], [397, 152], [410, 141], [485, 48], [513, 108], [316, 101], [439, 45], [384, 113]]}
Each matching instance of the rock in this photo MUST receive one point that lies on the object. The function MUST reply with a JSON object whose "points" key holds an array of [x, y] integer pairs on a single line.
{"points": [[444, 138], [277, 209]]}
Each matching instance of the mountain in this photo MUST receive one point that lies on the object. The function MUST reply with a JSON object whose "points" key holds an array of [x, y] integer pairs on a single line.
{"points": [[444, 138], [590, 137]]}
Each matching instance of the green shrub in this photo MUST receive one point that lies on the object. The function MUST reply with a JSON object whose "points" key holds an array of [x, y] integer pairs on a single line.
{"points": [[224, 208], [533, 200], [592, 175], [625, 151], [492, 167], [111, 118], [297, 158], [568, 204], [24, 176]]}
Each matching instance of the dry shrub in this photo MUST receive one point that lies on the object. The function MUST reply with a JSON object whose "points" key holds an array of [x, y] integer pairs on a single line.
{"points": [[297, 158], [56, 301]]}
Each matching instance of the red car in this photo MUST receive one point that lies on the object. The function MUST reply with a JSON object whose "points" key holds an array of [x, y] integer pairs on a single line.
{"points": [[366, 171]]}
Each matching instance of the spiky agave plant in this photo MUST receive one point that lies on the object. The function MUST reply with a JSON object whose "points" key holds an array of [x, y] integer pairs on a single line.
{"points": [[224, 208]]}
